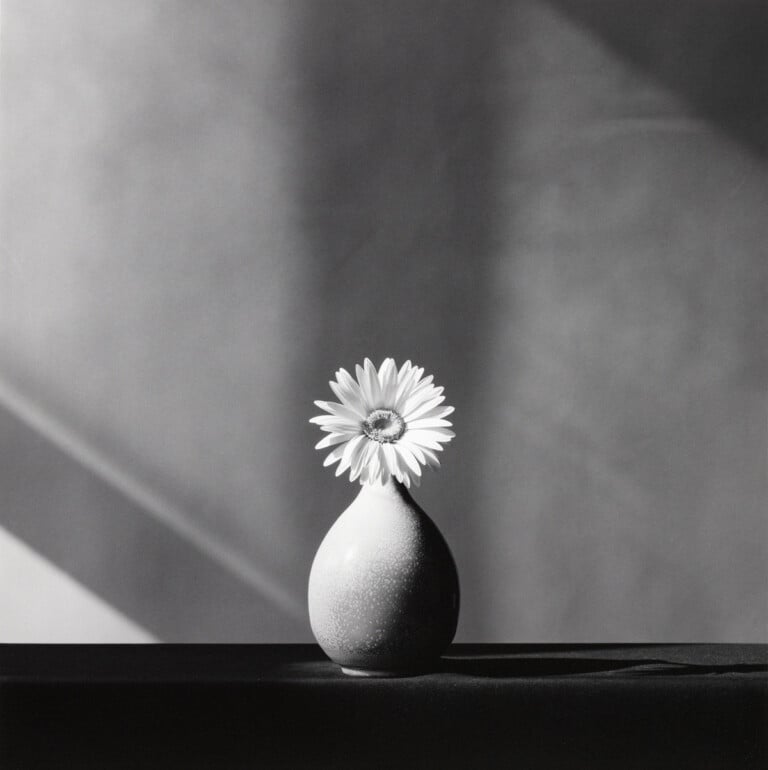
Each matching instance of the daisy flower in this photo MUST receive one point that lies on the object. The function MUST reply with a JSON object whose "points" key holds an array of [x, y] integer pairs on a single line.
{"points": [[387, 423]]}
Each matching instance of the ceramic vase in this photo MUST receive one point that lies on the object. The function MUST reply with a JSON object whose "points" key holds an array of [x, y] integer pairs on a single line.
{"points": [[383, 589]]}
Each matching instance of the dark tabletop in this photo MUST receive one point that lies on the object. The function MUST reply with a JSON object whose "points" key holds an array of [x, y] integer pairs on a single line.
{"points": [[530, 706]]}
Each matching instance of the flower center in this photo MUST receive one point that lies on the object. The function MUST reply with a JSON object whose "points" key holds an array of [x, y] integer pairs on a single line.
{"points": [[384, 426]]}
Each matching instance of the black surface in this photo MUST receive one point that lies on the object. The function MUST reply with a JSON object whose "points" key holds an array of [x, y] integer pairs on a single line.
{"points": [[528, 706]]}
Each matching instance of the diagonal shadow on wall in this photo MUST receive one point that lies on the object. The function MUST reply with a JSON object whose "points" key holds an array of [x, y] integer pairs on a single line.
{"points": [[711, 53], [178, 586], [397, 196]]}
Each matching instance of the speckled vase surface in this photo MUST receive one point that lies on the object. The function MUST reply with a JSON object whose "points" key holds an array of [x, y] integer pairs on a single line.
{"points": [[383, 590]]}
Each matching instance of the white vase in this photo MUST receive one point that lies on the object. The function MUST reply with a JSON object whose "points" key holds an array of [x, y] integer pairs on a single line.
{"points": [[383, 590]]}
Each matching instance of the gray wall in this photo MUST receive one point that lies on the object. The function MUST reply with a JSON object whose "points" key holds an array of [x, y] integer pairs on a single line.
{"points": [[559, 208]]}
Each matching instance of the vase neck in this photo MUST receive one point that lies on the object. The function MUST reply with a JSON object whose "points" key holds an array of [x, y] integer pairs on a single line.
{"points": [[393, 489]]}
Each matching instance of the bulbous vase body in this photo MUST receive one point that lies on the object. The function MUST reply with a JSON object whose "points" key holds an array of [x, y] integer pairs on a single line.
{"points": [[383, 590]]}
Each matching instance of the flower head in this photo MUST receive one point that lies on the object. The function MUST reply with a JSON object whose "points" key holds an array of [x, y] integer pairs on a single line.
{"points": [[388, 423]]}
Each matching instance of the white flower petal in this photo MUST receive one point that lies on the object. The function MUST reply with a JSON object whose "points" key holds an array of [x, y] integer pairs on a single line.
{"points": [[405, 453], [413, 412], [340, 429], [406, 387], [333, 424], [372, 463], [372, 382], [373, 460], [332, 439], [391, 458], [360, 379], [407, 392], [363, 385], [419, 396], [416, 451], [442, 434], [402, 465], [385, 473], [424, 438], [432, 459], [388, 382], [338, 391], [440, 412], [350, 385], [404, 370], [424, 455], [334, 456], [423, 423], [420, 384], [340, 410], [346, 457], [349, 398], [323, 419], [356, 462]]}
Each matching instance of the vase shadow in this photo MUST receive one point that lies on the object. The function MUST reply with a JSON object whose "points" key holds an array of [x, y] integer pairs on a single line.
{"points": [[513, 666]]}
